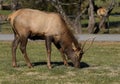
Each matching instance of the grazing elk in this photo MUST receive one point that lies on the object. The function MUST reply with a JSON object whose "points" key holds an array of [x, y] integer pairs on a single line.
{"points": [[35, 24]]}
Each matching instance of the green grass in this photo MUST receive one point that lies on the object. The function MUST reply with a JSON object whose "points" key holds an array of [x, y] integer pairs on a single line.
{"points": [[5, 12], [100, 65]]}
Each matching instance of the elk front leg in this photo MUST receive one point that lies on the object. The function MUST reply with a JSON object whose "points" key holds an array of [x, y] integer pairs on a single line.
{"points": [[48, 41], [64, 57], [23, 50], [14, 47], [62, 53]]}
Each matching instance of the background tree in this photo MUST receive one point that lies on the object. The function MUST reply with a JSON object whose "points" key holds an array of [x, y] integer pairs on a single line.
{"points": [[1, 3], [91, 23], [73, 11], [105, 17], [70, 10], [15, 5]]}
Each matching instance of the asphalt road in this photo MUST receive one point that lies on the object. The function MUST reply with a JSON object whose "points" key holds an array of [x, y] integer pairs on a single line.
{"points": [[80, 37]]}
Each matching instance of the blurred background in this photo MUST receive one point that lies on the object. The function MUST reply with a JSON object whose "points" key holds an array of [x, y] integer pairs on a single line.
{"points": [[82, 16]]}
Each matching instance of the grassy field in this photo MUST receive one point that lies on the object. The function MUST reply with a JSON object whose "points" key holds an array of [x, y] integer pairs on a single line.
{"points": [[100, 65]]}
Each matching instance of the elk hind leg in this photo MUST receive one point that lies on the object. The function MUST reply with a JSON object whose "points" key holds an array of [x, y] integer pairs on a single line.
{"points": [[14, 47], [23, 43]]}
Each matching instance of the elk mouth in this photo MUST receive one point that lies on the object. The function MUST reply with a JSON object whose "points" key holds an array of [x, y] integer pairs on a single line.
{"points": [[77, 65], [76, 62]]}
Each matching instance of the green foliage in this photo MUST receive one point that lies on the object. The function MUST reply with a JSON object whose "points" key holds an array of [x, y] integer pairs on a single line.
{"points": [[100, 65]]}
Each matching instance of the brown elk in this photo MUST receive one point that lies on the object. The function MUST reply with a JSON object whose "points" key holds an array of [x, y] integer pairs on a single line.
{"points": [[35, 24], [101, 12]]}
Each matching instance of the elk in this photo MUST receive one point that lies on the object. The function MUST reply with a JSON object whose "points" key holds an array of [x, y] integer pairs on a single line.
{"points": [[101, 12], [34, 24]]}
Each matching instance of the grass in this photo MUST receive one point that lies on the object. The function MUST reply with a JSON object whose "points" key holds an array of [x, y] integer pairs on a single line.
{"points": [[100, 65], [5, 12]]}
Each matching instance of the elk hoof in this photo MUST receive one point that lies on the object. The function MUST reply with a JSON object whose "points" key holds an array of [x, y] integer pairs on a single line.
{"points": [[14, 65], [49, 67], [30, 66], [66, 64]]}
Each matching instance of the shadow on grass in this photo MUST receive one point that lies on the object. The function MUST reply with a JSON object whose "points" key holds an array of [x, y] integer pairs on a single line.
{"points": [[54, 64]]}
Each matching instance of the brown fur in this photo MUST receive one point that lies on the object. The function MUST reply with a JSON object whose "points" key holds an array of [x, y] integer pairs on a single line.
{"points": [[34, 24], [101, 12]]}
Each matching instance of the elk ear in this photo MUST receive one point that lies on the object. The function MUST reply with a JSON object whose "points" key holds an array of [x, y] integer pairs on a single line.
{"points": [[73, 46]]}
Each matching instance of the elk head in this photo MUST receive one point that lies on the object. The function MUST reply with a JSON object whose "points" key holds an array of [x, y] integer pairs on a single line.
{"points": [[78, 53]]}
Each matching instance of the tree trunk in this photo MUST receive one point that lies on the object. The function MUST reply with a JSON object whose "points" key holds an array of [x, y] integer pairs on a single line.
{"points": [[105, 17], [15, 5], [75, 24], [1, 3], [110, 8], [91, 23]]}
